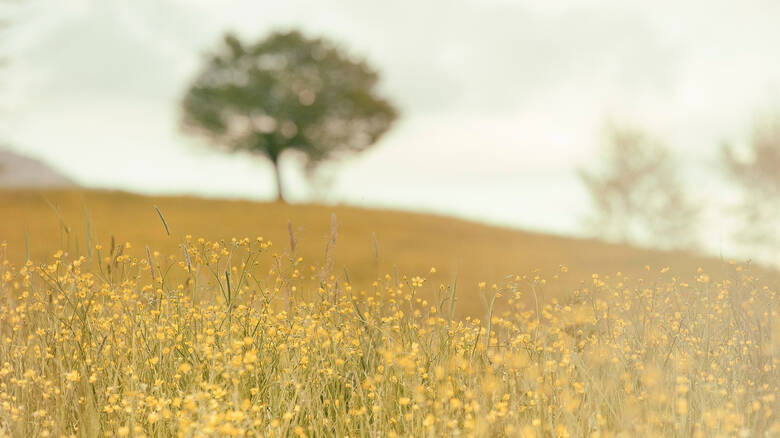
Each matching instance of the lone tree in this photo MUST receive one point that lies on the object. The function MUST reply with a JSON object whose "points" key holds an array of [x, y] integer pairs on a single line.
{"points": [[638, 195], [287, 92], [757, 175]]}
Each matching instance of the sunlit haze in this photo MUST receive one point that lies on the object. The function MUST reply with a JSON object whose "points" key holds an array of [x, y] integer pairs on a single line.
{"points": [[500, 101]]}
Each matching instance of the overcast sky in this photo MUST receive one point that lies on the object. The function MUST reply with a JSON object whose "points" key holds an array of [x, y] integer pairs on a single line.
{"points": [[500, 100]]}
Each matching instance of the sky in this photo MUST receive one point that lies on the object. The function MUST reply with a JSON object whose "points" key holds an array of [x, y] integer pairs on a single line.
{"points": [[501, 101]]}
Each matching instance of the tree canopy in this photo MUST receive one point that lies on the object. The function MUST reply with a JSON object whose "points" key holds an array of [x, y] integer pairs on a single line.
{"points": [[287, 92]]}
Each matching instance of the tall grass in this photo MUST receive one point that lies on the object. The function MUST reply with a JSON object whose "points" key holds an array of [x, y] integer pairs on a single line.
{"points": [[371, 242], [241, 338]]}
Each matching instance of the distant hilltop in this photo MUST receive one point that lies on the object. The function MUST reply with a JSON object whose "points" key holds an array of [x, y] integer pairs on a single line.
{"points": [[18, 171]]}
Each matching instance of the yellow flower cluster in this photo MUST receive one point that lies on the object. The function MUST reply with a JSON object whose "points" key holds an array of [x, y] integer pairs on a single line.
{"points": [[227, 339]]}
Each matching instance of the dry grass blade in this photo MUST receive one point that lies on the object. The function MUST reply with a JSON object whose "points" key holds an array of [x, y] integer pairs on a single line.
{"points": [[162, 218], [151, 262]]}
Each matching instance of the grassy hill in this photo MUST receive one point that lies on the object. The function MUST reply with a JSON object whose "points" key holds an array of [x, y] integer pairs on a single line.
{"points": [[370, 243], [227, 339]]}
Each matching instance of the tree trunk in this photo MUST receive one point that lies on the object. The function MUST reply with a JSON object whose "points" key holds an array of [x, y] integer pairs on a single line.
{"points": [[278, 177]]}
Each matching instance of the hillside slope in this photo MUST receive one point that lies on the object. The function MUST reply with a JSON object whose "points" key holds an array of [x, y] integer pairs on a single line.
{"points": [[370, 242], [18, 171]]}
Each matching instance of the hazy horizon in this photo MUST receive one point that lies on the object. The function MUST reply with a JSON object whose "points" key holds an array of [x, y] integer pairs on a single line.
{"points": [[500, 101]]}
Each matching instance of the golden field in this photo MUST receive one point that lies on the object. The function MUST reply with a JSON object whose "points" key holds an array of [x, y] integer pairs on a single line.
{"points": [[370, 243], [228, 327]]}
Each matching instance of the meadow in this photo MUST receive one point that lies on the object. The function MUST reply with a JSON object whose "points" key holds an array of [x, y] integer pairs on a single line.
{"points": [[369, 244], [221, 318]]}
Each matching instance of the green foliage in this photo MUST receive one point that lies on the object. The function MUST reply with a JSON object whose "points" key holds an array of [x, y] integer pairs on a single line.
{"points": [[287, 92]]}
